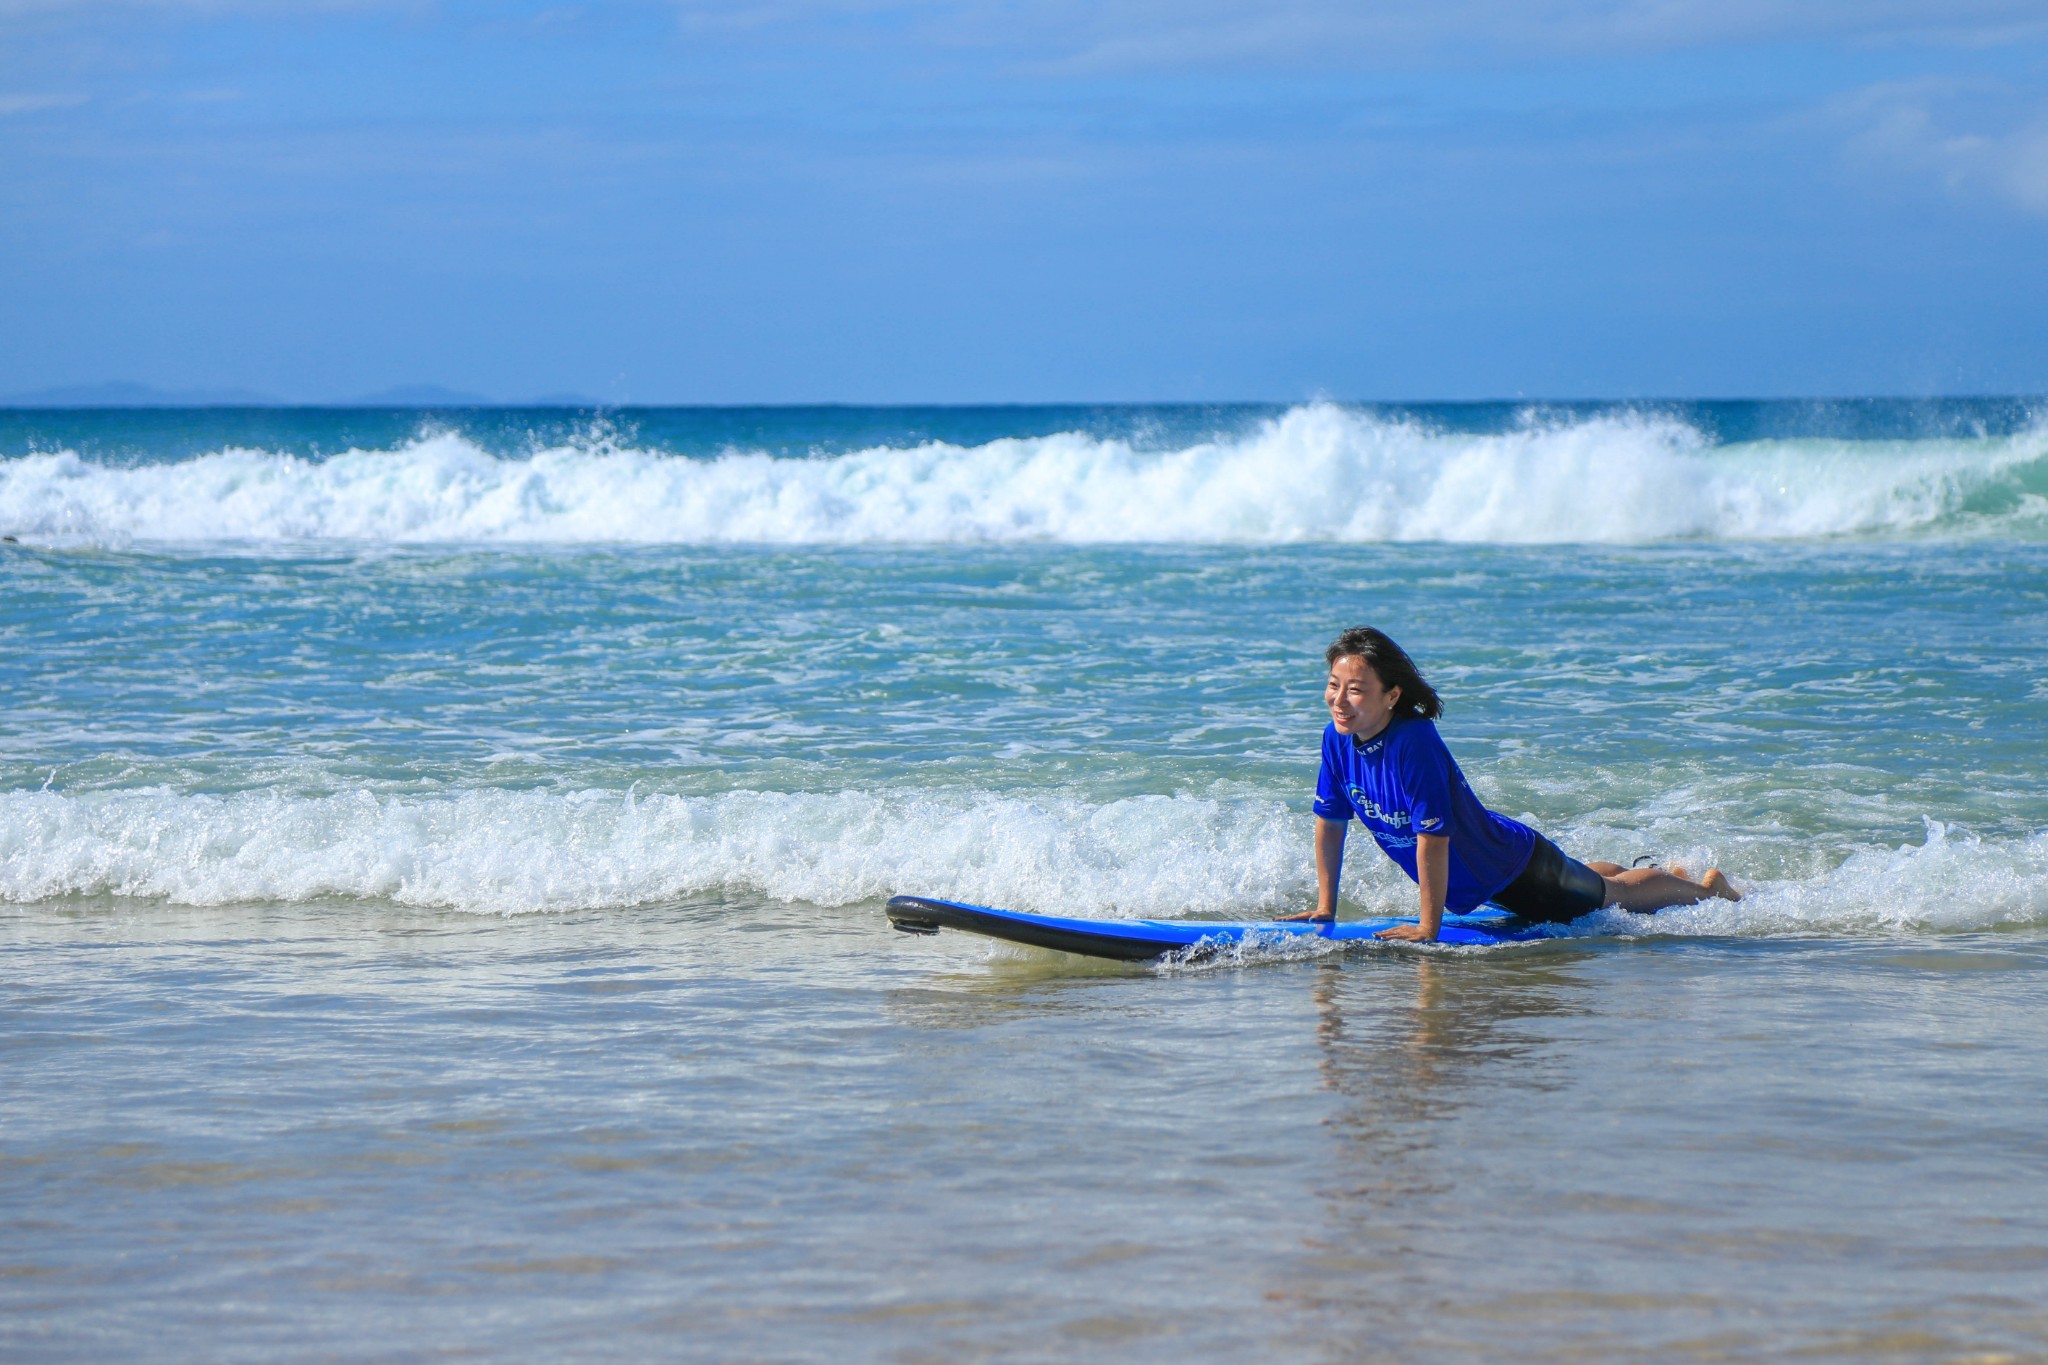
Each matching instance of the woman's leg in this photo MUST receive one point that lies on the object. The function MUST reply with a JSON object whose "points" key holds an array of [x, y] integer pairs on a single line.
{"points": [[1644, 889], [1715, 881]]}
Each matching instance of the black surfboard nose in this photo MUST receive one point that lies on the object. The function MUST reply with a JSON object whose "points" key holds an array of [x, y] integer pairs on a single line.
{"points": [[908, 916]]}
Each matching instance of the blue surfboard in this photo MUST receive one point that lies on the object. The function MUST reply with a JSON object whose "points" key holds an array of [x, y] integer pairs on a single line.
{"points": [[1140, 940]]}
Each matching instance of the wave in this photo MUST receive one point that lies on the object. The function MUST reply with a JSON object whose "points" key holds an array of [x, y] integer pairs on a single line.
{"points": [[1951, 881], [509, 852], [1317, 473]]}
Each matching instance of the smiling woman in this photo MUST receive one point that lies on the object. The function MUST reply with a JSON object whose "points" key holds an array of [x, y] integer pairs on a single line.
{"points": [[1384, 763]]}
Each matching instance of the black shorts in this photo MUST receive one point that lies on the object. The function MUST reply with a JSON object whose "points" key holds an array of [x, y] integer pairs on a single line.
{"points": [[1552, 887]]}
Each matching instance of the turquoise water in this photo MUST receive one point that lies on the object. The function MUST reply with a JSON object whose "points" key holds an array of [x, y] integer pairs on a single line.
{"points": [[441, 859]]}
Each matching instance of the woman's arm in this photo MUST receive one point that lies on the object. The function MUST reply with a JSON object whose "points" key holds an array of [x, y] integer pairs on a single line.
{"points": [[1432, 880], [1329, 870], [1329, 865]]}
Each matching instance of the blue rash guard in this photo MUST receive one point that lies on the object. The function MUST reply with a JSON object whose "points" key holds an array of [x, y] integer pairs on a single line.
{"points": [[1403, 782]]}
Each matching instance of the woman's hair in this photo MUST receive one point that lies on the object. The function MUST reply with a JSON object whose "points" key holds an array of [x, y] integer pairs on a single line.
{"points": [[1391, 664]]}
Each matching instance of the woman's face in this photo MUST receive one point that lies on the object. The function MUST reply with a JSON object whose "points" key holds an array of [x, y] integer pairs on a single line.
{"points": [[1358, 704]]}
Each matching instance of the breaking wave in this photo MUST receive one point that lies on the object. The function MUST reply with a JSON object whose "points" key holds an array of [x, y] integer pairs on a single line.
{"points": [[1320, 472], [505, 852]]}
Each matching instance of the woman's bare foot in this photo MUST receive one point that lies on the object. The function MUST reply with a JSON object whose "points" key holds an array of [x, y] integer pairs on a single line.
{"points": [[1715, 882]]}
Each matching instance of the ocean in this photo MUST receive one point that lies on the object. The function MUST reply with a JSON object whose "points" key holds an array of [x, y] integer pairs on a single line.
{"points": [[442, 858]]}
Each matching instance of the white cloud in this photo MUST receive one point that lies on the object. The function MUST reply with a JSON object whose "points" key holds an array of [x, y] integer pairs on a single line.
{"points": [[1115, 35], [94, 10], [32, 104], [1110, 35], [1914, 127], [2026, 168]]}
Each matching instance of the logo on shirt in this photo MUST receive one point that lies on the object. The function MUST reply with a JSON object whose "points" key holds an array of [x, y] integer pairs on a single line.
{"points": [[1427, 825], [1368, 809]]}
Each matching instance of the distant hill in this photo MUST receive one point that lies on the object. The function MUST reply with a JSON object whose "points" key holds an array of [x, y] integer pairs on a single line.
{"points": [[136, 396]]}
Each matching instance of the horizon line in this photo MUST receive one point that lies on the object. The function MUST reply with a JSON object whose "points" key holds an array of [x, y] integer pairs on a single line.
{"points": [[169, 402]]}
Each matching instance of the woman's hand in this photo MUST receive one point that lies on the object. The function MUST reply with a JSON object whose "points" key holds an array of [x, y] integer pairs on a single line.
{"points": [[1408, 933], [1307, 917]]}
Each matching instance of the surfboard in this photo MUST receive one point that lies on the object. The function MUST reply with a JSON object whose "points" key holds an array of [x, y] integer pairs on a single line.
{"points": [[1141, 940]]}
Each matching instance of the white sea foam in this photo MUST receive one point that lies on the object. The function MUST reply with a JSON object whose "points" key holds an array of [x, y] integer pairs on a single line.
{"points": [[1319, 472], [510, 851], [498, 851], [1950, 881]]}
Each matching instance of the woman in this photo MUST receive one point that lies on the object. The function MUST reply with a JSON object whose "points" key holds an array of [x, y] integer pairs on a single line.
{"points": [[1384, 763]]}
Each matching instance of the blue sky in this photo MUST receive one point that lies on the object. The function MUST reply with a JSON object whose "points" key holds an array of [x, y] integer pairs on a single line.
{"points": [[978, 200]]}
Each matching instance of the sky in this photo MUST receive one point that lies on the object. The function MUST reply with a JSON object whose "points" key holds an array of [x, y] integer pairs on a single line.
{"points": [[954, 201]]}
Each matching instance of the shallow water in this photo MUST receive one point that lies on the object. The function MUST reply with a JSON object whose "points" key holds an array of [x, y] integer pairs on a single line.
{"points": [[698, 1130], [414, 947]]}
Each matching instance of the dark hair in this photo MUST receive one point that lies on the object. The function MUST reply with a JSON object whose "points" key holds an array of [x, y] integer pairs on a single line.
{"points": [[1392, 666]]}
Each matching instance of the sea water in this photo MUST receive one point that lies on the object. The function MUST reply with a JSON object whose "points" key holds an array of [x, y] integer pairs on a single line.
{"points": [[442, 857]]}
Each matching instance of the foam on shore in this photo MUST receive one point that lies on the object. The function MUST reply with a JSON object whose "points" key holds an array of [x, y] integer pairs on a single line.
{"points": [[508, 852]]}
